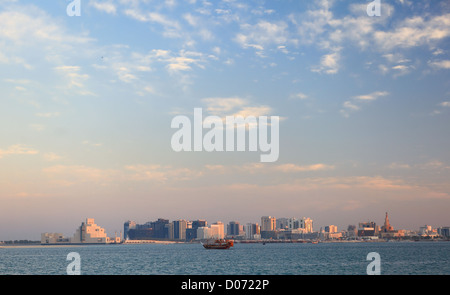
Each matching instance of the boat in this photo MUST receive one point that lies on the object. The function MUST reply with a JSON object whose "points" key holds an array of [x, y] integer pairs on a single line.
{"points": [[218, 244]]}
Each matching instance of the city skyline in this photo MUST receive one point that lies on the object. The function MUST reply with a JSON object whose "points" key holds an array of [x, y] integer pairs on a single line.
{"points": [[87, 104], [310, 226]]}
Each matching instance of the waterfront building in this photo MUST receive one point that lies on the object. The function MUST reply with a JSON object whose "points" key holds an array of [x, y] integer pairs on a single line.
{"points": [[152, 230], [191, 233], [252, 231], [293, 223], [307, 224], [233, 228], [367, 229], [126, 227], [87, 233], [387, 227], [444, 231], [203, 233], [331, 229], [90, 233], [217, 230], [268, 223], [54, 238], [281, 223], [387, 230], [214, 231], [178, 230]]}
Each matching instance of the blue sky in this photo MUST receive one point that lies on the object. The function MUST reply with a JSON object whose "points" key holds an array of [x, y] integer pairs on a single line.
{"points": [[87, 102]]}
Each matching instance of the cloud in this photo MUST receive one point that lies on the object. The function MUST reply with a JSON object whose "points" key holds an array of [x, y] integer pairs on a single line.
{"points": [[48, 115], [18, 149], [235, 106], [263, 34], [440, 64], [292, 168], [162, 174], [106, 6], [415, 31], [354, 105], [172, 28], [299, 95], [51, 157], [372, 96], [29, 31], [74, 78], [329, 63], [68, 175]]}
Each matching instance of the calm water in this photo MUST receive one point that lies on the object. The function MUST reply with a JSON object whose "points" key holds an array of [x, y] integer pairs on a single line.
{"points": [[398, 258]]}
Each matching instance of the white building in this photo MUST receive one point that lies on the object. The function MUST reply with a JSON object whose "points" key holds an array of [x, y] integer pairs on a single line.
{"points": [[217, 230], [331, 229], [53, 238], [214, 231], [252, 231], [307, 224], [87, 233], [90, 233]]}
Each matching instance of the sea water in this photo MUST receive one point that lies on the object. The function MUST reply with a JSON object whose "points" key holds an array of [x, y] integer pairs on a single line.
{"points": [[397, 258]]}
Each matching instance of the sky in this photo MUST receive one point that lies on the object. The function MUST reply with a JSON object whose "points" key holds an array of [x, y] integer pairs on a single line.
{"points": [[87, 104]]}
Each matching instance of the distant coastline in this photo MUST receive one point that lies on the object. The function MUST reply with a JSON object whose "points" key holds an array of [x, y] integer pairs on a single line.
{"points": [[27, 244]]}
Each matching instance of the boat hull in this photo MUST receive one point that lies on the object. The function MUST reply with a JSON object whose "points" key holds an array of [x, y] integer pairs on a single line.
{"points": [[219, 244]]}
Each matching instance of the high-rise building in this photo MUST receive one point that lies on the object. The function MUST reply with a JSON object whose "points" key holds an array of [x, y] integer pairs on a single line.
{"points": [[331, 229], [293, 223], [252, 231], [268, 223], [217, 230], [191, 232], [159, 228], [282, 223], [306, 224], [233, 228], [126, 227], [178, 230]]}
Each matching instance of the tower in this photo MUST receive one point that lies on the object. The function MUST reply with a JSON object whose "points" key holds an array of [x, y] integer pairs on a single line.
{"points": [[387, 227]]}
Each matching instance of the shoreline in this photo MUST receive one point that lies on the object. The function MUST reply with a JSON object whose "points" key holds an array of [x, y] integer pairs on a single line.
{"points": [[161, 242]]}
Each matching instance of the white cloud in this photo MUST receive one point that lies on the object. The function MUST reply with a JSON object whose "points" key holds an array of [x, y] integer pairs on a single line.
{"points": [[355, 104], [440, 64], [372, 96], [292, 168], [329, 63], [415, 31], [263, 34], [235, 106], [73, 75], [107, 6], [18, 149]]}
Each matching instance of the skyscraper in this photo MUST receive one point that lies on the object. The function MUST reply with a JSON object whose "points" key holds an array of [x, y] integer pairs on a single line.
{"points": [[178, 230], [233, 228], [307, 224], [126, 227], [268, 223]]}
